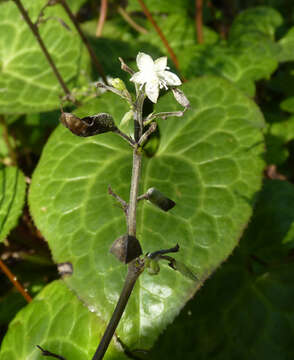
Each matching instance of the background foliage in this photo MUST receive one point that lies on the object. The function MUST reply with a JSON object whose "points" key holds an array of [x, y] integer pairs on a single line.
{"points": [[229, 159]]}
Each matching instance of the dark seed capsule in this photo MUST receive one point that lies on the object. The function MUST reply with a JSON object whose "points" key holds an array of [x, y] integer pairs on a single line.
{"points": [[158, 199], [126, 248], [89, 125]]}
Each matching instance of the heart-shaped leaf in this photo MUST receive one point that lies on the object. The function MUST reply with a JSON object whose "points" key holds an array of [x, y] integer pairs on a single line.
{"points": [[209, 162], [243, 66], [12, 197], [254, 292], [250, 54], [58, 322], [27, 82]]}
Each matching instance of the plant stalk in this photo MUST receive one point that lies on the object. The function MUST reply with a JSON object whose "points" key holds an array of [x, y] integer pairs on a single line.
{"points": [[160, 33], [15, 282], [132, 211], [84, 39], [130, 21], [198, 20], [102, 17], [36, 33], [134, 270], [135, 267]]}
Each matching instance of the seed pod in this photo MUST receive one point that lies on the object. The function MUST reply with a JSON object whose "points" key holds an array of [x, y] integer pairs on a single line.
{"points": [[126, 248], [89, 125], [158, 199]]}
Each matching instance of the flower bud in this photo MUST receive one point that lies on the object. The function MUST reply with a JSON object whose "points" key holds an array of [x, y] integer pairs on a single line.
{"points": [[118, 84], [181, 97], [126, 248], [158, 199], [89, 125]]}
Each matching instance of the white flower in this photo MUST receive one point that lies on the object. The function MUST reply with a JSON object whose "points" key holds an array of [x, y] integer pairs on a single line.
{"points": [[154, 75]]}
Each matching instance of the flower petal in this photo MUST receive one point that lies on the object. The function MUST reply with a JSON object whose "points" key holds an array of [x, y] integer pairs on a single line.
{"points": [[171, 78], [145, 62], [140, 77], [160, 63], [152, 89]]}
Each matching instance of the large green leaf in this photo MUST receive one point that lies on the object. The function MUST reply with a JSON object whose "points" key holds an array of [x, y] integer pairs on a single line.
{"points": [[254, 293], [242, 66], [261, 20], [250, 54], [209, 162], [57, 321], [27, 83], [287, 46], [254, 318], [12, 196]]}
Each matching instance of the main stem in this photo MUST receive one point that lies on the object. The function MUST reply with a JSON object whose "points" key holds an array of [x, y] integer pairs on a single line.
{"points": [[133, 273], [135, 267], [132, 210]]}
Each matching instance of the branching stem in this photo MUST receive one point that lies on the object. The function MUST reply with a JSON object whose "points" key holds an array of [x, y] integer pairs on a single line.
{"points": [[147, 133], [163, 115], [123, 203], [130, 21], [198, 20], [15, 282], [84, 39], [102, 17], [125, 137], [36, 33]]}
